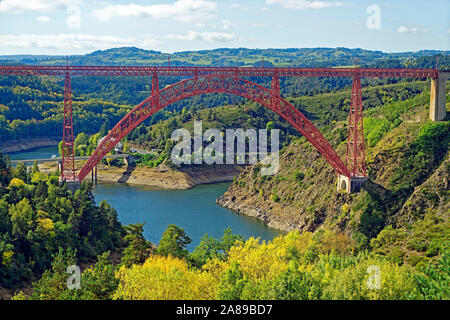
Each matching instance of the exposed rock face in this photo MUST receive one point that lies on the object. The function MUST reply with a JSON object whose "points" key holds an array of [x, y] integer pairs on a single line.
{"points": [[281, 201], [302, 195], [164, 177], [211, 173], [27, 144]]}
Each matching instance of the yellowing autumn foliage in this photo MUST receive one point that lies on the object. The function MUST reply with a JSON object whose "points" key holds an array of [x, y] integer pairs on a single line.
{"points": [[266, 260], [7, 256], [297, 265], [164, 278], [45, 225], [16, 182], [352, 282]]}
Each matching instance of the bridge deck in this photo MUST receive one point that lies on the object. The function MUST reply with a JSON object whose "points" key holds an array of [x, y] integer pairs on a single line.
{"points": [[217, 71]]}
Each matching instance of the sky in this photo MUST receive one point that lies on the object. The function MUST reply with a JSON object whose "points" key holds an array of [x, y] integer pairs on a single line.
{"points": [[63, 27]]}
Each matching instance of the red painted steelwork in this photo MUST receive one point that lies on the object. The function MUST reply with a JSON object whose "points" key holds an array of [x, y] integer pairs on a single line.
{"points": [[212, 84], [216, 71], [355, 140], [68, 163], [220, 80]]}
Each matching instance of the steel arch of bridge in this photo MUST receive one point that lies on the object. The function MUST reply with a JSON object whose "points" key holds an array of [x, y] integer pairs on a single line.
{"points": [[270, 99], [355, 141]]}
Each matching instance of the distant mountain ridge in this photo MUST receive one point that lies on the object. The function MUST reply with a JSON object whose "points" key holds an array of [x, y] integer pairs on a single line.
{"points": [[286, 57]]}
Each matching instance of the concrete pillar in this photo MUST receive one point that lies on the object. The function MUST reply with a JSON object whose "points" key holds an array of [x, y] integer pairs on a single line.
{"points": [[438, 94], [95, 174], [73, 186], [350, 185], [129, 160]]}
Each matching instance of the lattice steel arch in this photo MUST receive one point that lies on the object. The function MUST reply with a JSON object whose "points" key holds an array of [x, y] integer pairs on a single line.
{"points": [[215, 84]]}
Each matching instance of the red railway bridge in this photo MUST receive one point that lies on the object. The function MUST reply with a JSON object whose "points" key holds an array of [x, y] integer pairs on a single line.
{"points": [[231, 80]]}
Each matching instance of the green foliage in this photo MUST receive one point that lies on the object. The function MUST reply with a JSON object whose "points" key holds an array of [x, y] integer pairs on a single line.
{"points": [[96, 283], [422, 156], [232, 283], [38, 218], [149, 160], [211, 248], [275, 197], [138, 248], [298, 176], [173, 242], [423, 241], [434, 283], [99, 282], [53, 284], [371, 223], [293, 284]]}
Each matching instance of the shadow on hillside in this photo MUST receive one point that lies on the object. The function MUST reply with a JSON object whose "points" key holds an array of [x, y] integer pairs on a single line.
{"points": [[126, 174]]}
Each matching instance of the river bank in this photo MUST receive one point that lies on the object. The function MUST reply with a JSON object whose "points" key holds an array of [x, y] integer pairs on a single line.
{"points": [[20, 145], [162, 177]]}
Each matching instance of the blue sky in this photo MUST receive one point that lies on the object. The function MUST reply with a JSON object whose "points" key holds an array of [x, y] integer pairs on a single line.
{"points": [[83, 26]]}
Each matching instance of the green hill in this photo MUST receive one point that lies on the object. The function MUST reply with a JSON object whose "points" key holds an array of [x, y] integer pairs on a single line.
{"points": [[407, 163]]}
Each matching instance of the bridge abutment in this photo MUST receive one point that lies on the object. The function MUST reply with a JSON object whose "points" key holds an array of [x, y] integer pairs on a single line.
{"points": [[350, 184], [73, 186], [438, 94]]}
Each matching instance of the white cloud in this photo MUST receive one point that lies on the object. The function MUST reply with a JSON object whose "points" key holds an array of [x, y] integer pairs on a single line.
{"points": [[264, 9], [304, 4], [187, 11], [66, 42], [238, 6], [226, 24], [207, 36], [17, 6], [404, 29], [73, 21], [43, 19]]}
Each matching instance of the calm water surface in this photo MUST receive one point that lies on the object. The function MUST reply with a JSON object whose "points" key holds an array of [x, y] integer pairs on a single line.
{"points": [[38, 153], [195, 210]]}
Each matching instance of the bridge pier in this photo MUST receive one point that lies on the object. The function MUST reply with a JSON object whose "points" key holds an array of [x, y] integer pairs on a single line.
{"points": [[94, 175], [350, 184], [438, 94], [129, 160], [73, 186]]}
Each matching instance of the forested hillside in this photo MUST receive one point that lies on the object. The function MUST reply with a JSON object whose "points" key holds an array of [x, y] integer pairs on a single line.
{"points": [[405, 202]]}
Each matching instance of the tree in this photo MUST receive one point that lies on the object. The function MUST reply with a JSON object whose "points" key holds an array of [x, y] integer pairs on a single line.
{"points": [[22, 217], [173, 242], [138, 248], [21, 172], [4, 170], [99, 282], [232, 283], [270, 126], [210, 248], [434, 282], [53, 284], [35, 168], [293, 284]]}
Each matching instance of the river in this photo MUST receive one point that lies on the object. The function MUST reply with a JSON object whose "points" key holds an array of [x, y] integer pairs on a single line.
{"points": [[194, 210]]}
